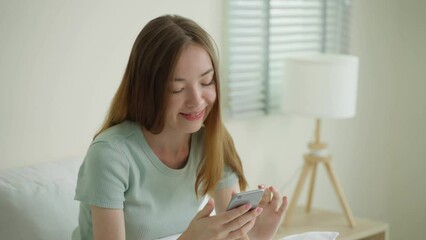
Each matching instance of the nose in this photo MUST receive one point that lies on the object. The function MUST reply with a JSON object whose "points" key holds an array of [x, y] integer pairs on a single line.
{"points": [[194, 97]]}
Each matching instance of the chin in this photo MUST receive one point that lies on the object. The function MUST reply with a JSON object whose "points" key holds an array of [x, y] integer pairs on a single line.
{"points": [[193, 128]]}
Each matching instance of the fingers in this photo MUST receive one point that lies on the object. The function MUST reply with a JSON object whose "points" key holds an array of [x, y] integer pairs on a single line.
{"points": [[232, 224], [238, 234], [283, 206], [276, 197], [240, 222], [207, 210], [266, 198], [272, 198], [236, 212]]}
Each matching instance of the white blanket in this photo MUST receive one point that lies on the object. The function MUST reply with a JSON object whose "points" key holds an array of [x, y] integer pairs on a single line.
{"points": [[302, 236], [313, 236]]}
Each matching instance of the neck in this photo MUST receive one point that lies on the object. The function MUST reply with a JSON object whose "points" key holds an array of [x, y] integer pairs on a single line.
{"points": [[172, 150]]}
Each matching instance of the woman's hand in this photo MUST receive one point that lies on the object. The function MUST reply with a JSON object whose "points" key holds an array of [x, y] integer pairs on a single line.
{"points": [[232, 224], [270, 220]]}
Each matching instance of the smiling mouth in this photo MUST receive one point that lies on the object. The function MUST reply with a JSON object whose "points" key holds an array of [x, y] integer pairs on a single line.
{"points": [[193, 116]]}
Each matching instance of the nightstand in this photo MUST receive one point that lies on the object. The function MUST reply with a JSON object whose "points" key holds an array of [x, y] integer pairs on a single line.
{"points": [[320, 220]]}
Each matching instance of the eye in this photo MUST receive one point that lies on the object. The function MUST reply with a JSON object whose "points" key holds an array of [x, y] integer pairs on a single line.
{"points": [[177, 91], [209, 83], [177, 87]]}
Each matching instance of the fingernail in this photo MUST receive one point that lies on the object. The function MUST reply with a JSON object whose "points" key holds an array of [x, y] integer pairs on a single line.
{"points": [[259, 210]]}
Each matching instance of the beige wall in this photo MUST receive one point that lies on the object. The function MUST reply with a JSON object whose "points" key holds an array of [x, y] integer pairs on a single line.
{"points": [[380, 153], [60, 64]]}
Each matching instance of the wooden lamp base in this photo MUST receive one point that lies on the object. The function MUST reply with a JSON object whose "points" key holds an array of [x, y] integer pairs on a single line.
{"points": [[317, 155]]}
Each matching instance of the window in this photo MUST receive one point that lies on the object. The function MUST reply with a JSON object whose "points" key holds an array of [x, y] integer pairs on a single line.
{"points": [[261, 33]]}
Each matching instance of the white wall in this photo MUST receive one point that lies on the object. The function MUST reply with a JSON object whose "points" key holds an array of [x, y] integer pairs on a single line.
{"points": [[61, 62], [380, 153]]}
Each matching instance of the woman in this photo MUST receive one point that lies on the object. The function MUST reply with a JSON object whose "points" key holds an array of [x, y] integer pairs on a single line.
{"points": [[163, 147]]}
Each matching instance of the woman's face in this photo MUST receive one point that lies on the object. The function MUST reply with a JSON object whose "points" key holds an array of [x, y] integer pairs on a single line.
{"points": [[192, 92]]}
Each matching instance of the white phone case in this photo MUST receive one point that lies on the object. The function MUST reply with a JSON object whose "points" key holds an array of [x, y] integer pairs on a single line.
{"points": [[253, 197]]}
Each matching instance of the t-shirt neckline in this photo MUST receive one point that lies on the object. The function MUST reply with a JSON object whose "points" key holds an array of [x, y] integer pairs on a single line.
{"points": [[157, 162]]}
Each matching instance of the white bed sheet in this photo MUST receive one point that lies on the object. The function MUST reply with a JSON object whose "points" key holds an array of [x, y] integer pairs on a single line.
{"points": [[302, 236]]}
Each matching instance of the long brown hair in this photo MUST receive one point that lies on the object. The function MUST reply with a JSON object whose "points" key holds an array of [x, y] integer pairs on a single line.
{"points": [[141, 96]]}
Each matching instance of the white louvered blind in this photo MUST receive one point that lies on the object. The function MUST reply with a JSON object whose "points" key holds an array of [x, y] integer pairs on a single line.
{"points": [[261, 33]]}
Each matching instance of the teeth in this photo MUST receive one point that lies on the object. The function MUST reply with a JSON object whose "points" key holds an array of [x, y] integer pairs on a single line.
{"points": [[195, 114]]}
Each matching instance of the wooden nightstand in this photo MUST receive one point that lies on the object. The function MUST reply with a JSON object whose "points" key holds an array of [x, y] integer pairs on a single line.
{"points": [[320, 220]]}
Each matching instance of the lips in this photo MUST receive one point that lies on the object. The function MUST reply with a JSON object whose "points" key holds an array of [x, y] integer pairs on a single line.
{"points": [[193, 116]]}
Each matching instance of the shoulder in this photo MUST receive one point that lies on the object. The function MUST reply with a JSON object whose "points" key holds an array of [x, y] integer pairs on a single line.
{"points": [[113, 144], [118, 132]]}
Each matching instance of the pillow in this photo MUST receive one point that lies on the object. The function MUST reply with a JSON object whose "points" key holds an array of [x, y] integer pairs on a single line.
{"points": [[37, 202]]}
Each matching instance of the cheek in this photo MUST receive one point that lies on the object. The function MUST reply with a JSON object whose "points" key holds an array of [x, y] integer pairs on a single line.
{"points": [[211, 96], [172, 105]]}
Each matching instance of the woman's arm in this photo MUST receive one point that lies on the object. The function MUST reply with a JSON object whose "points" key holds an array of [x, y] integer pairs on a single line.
{"points": [[108, 224], [223, 196]]}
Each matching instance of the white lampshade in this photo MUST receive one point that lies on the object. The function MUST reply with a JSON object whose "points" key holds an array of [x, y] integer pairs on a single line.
{"points": [[321, 86]]}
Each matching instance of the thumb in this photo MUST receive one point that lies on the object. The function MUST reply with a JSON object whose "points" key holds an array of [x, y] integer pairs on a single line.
{"points": [[207, 210]]}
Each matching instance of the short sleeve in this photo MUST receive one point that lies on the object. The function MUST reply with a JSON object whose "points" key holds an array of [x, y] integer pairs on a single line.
{"points": [[103, 176], [228, 179]]}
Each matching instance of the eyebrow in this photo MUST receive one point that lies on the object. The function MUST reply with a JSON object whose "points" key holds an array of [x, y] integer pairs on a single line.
{"points": [[202, 75]]}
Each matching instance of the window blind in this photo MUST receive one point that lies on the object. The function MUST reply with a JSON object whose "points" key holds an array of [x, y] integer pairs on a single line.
{"points": [[261, 33]]}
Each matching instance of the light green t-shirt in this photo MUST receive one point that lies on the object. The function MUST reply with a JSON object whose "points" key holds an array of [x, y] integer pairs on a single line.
{"points": [[120, 171]]}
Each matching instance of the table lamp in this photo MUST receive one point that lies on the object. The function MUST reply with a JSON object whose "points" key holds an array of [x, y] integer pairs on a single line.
{"points": [[319, 86]]}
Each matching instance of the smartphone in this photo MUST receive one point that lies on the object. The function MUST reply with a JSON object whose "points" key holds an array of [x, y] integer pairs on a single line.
{"points": [[253, 197]]}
